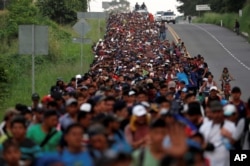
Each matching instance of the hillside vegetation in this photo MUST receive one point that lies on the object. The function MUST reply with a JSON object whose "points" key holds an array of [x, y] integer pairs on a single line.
{"points": [[188, 7], [228, 19], [63, 59]]}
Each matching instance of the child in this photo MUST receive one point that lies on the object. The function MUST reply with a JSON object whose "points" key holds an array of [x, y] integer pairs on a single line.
{"points": [[225, 76], [11, 154]]}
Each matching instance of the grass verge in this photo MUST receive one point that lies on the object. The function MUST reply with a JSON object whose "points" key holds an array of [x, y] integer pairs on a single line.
{"points": [[228, 19], [65, 63]]}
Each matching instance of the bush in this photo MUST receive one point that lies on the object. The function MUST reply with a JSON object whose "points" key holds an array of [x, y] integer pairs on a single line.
{"points": [[61, 11]]}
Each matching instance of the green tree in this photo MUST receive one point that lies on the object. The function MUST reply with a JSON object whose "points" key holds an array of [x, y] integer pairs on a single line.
{"points": [[220, 6], [61, 11], [20, 12], [77, 5]]}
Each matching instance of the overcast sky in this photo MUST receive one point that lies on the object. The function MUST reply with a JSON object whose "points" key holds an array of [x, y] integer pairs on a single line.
{"points": [[153, 5]]}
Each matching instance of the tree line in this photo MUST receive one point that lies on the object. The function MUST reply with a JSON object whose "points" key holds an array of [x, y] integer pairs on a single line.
{"points": [[188, 7]]}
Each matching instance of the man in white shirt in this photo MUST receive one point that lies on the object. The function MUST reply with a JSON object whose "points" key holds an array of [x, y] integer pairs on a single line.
{"points": [[211, 130]]}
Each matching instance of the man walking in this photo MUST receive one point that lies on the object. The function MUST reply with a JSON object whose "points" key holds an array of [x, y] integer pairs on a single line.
{"points": [[163, 30]]}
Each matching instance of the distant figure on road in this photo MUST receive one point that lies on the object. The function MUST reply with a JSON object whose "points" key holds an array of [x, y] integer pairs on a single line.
{"points": [[189, 19], [163, 30], [137, 6], [237, 27]]}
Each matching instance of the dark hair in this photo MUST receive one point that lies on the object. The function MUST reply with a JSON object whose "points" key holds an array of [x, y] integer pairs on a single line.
{"points": [[19, 119], [189, 95], [24, 112], [112, 160], [9, 143], [236, 90], [119, 105], [72, 126], [52, 104], [108, 119], [158, 123], [79, 95], [141, 92], [81, 115], [49, 113], [161, 100], [110, 98], [210, 74], [163, 86], [125, 92], [168, 160], [194, 108]]}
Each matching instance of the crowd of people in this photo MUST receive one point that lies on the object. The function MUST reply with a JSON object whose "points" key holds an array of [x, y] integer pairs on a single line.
{"points": [[143, 102]]}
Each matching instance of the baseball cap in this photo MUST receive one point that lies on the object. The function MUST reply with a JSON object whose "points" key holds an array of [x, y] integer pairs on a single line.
{"points": [[96, 129], [185, 90], [86, 107], [98, 99], [213, 88], [78, 76], [215, 106], [139, 110], [171, 84], [149, 81], [229, 109], [35, 96], [145, 104], [47, 99], [131, 93], [70, 89], [71, 101], [99, 93], [83, 87]]}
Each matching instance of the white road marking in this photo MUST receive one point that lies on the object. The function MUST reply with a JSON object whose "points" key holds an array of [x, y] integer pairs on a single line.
{"points": [[227, 50]]}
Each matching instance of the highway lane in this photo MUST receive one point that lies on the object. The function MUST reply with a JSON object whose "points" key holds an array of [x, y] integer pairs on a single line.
{"points": [[221, 48]]}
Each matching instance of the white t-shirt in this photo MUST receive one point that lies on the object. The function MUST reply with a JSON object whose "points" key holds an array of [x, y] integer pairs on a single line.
{"points": [[212, 134]]}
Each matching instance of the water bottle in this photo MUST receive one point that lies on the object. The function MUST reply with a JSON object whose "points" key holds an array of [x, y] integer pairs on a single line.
{"points": [[227, 143]]}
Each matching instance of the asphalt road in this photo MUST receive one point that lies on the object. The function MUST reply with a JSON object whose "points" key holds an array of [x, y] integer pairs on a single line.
{"points": [[221, 48]]}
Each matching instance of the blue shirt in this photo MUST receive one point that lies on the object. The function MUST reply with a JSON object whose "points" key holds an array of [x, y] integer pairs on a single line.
{"points": [[186, 122], [29, 150], [67, 159], [80, 159], [182, 77], [120, 144], [194, 77]]}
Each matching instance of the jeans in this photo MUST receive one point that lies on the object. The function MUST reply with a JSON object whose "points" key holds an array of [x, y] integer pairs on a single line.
{"points": [[162, 35]]}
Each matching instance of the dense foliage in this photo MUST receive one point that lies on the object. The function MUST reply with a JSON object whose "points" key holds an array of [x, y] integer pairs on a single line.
{"points": [[220, 6], [61, 11], [63, 58]]}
